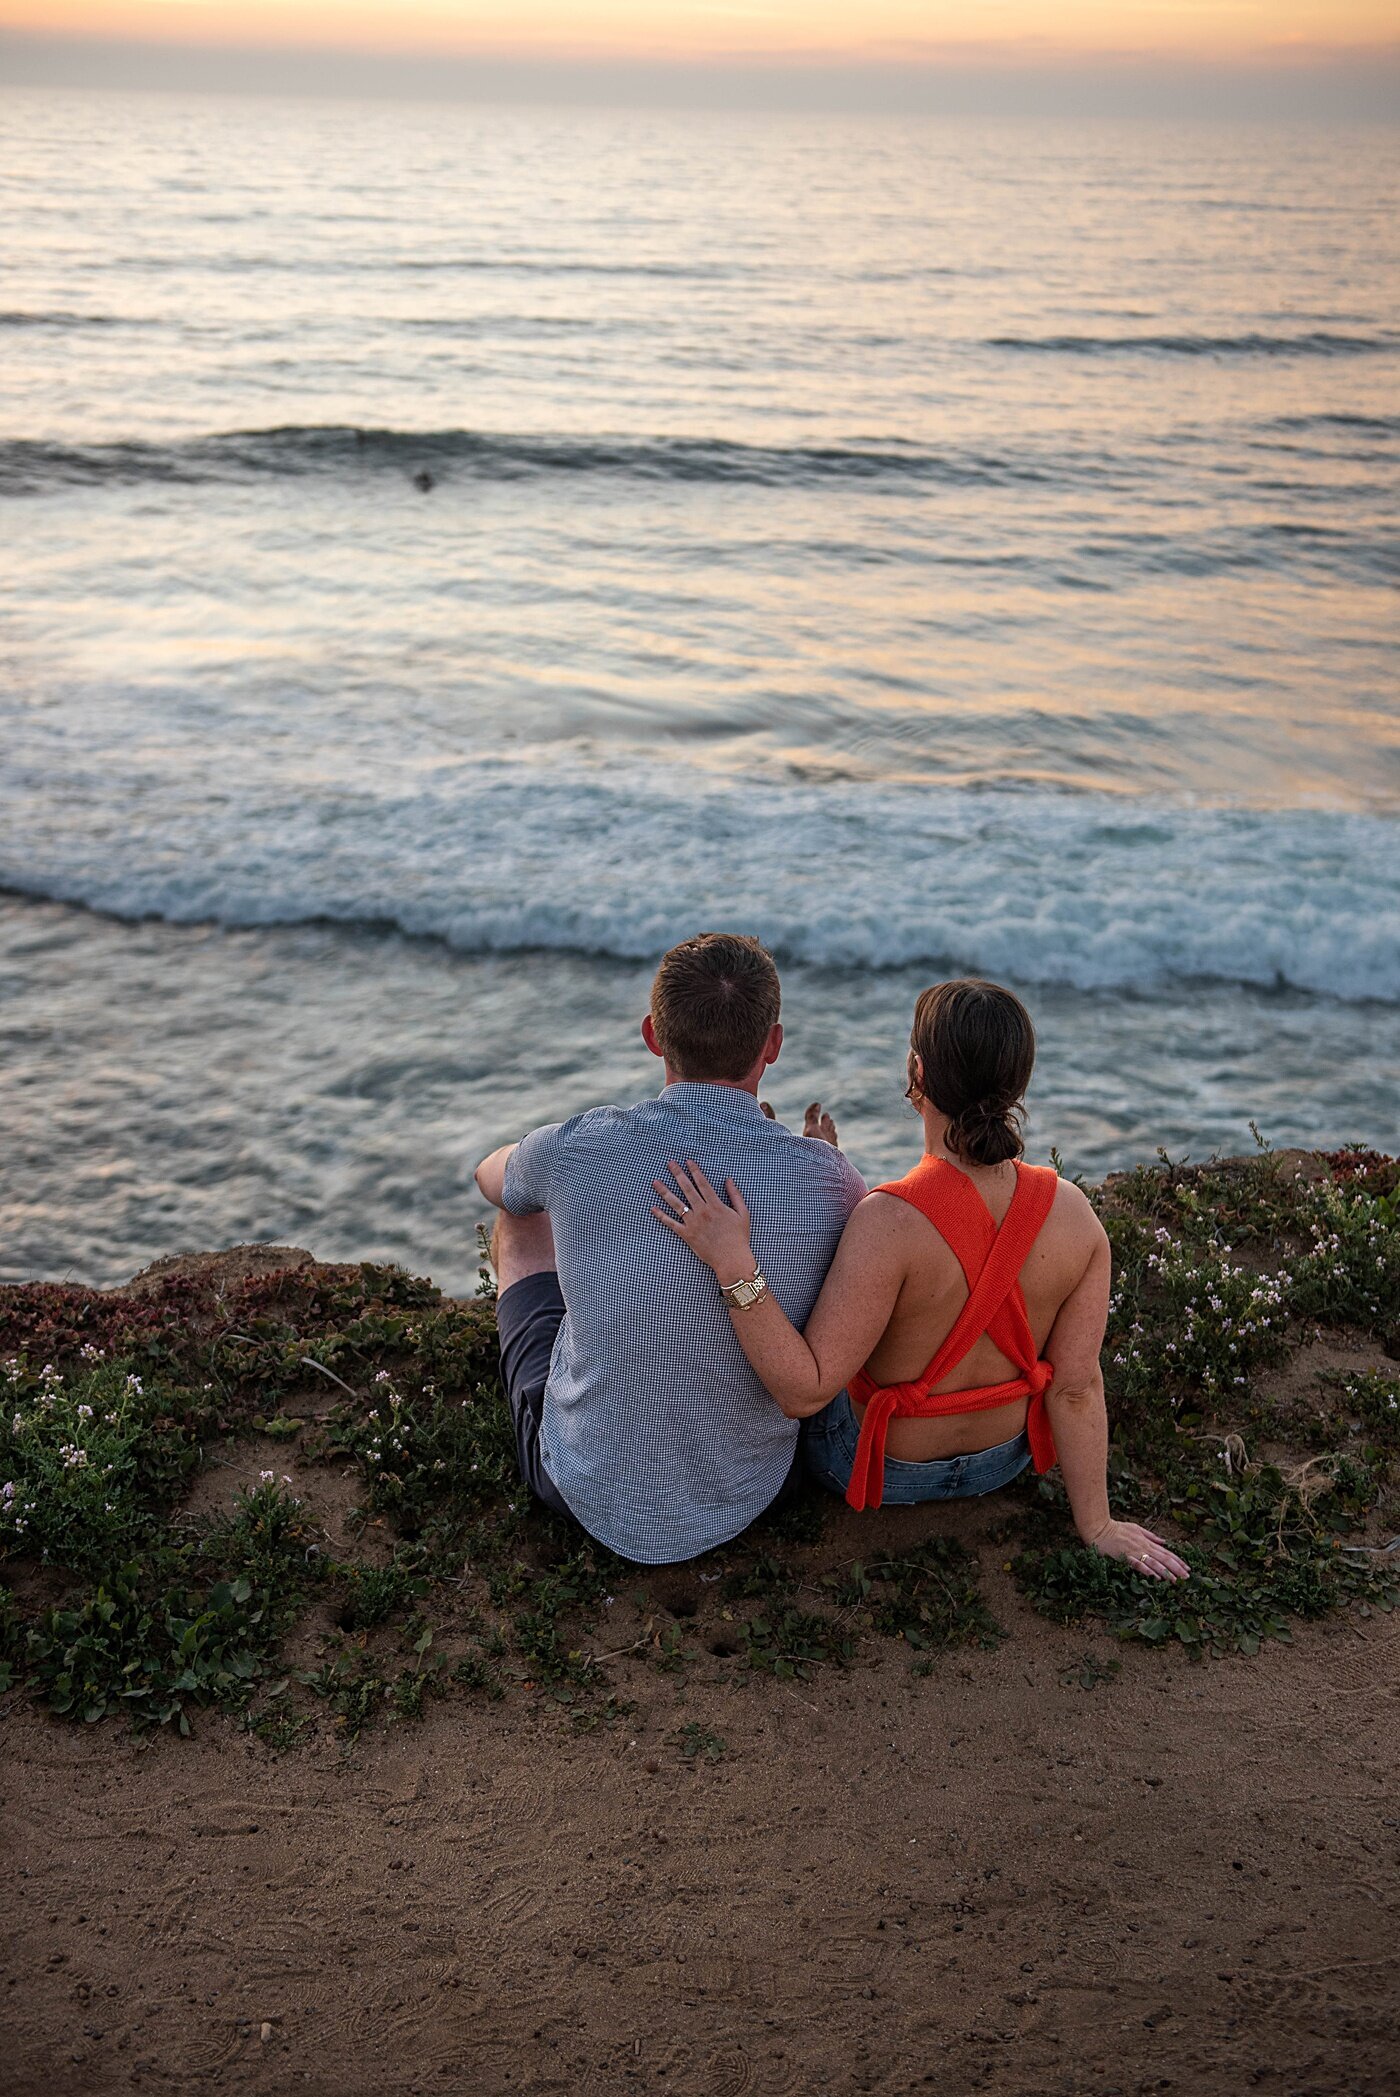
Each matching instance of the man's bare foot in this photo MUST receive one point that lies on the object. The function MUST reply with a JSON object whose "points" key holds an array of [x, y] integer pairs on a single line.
{"points": [[817, 1122]]}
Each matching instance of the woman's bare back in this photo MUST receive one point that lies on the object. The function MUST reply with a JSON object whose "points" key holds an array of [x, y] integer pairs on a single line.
{"points": [[932, 1293]]}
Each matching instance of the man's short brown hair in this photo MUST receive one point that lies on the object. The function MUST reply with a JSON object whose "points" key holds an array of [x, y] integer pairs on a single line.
{"points": [[713, 1002]]}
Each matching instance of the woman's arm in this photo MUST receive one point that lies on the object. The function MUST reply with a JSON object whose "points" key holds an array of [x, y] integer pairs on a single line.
{"points": [[1079, 1421], [802, 1370]]}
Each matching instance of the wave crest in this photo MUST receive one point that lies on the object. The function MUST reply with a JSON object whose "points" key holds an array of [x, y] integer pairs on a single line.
{"points": [[27, 466], [1041, 888], [1313, 342]]}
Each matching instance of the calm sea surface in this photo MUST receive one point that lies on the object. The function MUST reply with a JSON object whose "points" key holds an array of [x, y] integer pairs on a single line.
{"points": [[451, 553]]}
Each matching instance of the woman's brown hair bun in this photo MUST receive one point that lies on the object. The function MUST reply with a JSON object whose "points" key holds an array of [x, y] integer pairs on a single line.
{"points": [[976, 1045]]}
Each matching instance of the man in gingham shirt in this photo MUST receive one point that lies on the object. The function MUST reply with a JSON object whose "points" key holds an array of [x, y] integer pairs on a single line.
{"points": [[635, 1409]]}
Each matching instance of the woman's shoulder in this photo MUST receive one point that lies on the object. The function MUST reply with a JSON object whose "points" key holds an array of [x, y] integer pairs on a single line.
{"points": [[889, 1229], [882, 1213], [1073, 1215]]}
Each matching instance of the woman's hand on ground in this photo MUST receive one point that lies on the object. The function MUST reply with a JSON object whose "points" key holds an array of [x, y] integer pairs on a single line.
{"points": [[817, 1122], [1141, 1550], [713, 1229]]}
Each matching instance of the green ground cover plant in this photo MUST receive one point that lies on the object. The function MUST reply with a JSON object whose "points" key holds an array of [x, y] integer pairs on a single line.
{"points": [[1253, 1374]]}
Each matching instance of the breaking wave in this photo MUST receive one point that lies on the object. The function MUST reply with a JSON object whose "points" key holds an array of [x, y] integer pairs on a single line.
{"points": [[1045, 888], [28, 466]]}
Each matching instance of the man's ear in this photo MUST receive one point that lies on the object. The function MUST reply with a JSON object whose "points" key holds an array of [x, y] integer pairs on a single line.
{"points": [[649, 1036], [773, 1047]]}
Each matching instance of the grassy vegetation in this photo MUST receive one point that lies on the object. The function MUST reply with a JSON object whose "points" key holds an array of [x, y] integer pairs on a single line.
{"points": [[1283, 1478]]}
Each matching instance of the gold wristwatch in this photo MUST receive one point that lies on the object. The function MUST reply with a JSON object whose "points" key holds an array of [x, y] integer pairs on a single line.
{"points": [[743, 1295]]}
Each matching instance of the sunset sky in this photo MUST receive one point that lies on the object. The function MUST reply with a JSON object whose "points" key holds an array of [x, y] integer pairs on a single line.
{"points": [[768, 29]]}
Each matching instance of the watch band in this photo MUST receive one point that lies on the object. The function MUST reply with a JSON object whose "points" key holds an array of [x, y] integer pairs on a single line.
{"points": [[743, 1295]]}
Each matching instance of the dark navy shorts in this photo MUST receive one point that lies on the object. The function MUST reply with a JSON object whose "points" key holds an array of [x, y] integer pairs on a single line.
{"points": [[528, 1317]]}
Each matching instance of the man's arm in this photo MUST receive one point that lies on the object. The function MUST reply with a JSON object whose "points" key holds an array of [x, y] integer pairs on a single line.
{"points": [[491, 1173], [519, 1177]]}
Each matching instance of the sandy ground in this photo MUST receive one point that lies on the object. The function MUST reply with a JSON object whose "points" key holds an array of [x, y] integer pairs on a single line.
{"points": [[990, 1880]]}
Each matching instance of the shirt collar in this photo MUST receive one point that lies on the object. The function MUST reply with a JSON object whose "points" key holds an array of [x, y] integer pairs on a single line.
{"points": [[727, 1099]]}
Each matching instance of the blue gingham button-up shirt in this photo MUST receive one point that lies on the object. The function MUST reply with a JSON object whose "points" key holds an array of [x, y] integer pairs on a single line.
{"points": [[655, 1429]]}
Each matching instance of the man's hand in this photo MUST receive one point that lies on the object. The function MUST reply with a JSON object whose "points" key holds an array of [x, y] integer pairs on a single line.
{"points": [[817, 1122]]}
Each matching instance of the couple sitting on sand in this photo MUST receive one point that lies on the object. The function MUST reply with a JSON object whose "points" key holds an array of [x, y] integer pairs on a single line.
{"points": [[661, 1342]]}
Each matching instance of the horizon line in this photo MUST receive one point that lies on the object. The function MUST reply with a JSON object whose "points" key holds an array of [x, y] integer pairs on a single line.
{"points": [[1331, 80]]}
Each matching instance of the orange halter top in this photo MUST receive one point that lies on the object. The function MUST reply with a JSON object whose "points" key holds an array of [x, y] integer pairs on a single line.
{"points": [[991, 1257]]}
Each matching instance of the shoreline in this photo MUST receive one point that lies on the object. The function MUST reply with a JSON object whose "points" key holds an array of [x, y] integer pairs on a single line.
{"points": [[164, 1092]]}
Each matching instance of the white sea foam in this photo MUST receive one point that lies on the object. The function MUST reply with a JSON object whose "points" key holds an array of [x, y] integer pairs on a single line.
{"points": [[1095, 892]]}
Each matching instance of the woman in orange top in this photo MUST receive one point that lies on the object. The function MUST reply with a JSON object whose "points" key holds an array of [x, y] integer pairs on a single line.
{"points": [[957, 1336]]}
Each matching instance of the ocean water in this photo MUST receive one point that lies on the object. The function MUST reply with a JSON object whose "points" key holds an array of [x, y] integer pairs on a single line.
{"points": [[449, 553]]}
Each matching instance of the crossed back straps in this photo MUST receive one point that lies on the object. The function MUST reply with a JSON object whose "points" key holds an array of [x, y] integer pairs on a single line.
{"points": [[991, 1259]]}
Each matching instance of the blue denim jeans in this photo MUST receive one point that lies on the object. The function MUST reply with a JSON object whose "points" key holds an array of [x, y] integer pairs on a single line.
{"points": [[829, 1441]]}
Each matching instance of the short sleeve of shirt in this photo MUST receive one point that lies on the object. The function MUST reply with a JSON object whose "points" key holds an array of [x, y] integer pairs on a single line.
{"points": [[854, 1186], [529, 1179]]}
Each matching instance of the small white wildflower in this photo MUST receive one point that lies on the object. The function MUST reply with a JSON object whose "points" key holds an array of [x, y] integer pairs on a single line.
{"points": [[266, 1477]]}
